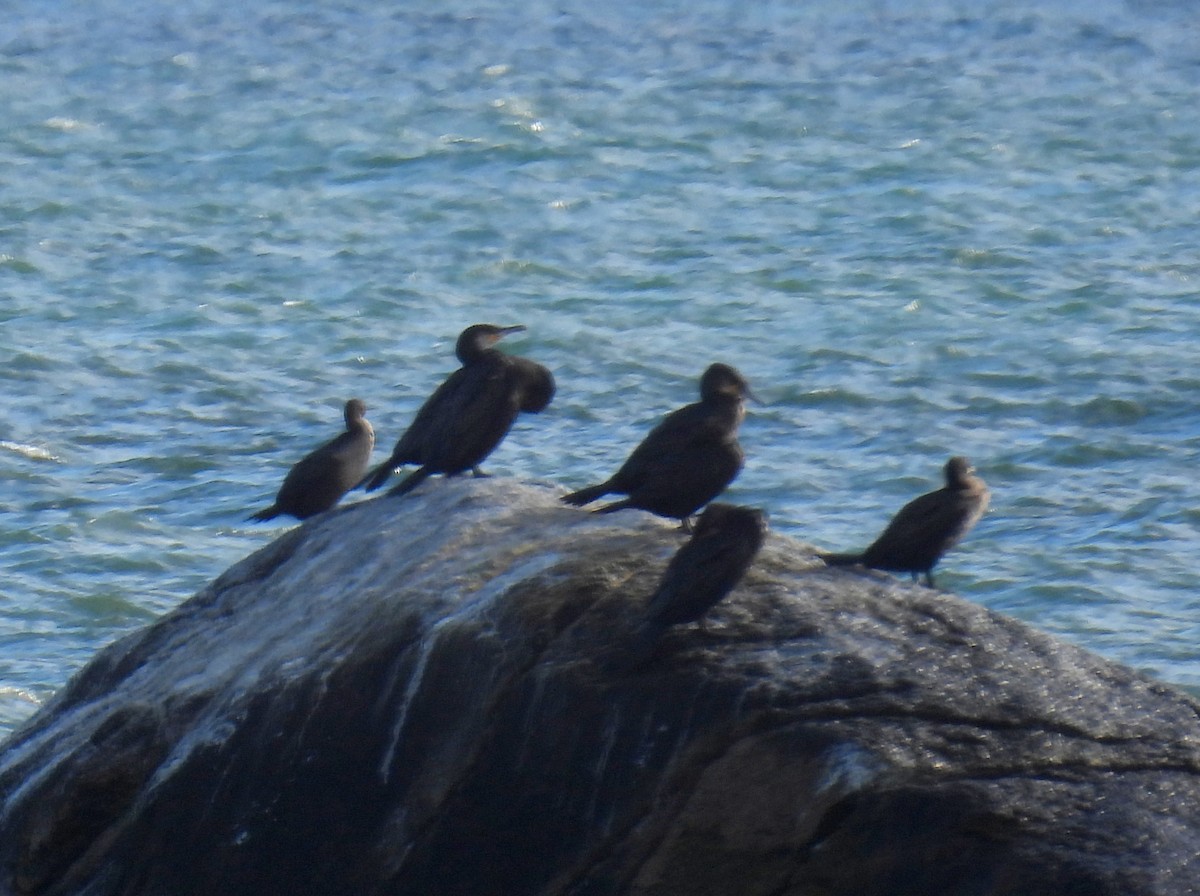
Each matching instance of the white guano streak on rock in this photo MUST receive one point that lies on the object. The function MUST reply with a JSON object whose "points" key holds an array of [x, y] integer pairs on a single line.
{"points": [[471, 609]]}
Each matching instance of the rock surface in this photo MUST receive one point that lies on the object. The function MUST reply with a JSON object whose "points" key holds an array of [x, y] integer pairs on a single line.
{"points": [[432, 695]]}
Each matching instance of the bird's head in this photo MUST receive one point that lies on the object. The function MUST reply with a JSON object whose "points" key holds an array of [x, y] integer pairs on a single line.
{"points": [[724, 380], [478, 338]]}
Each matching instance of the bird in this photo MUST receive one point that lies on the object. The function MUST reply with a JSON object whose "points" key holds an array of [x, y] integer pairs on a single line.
{"points": [[321, 478], [926, 527], [468, 415], [687, 459], [708, 566]]}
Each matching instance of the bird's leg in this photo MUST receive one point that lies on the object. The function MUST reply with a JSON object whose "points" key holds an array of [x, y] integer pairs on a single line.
{"points": [[929, 578], [478, 473], [686, 524]]}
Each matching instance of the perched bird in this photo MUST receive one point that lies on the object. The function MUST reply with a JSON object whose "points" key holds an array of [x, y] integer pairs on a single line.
{"points": [[926, 527], [468, 415], [687, 459], [318, 481], [703, 571]]}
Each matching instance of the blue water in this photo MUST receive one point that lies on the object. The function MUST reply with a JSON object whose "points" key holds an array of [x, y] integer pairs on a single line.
{"points": [[918, 228]]}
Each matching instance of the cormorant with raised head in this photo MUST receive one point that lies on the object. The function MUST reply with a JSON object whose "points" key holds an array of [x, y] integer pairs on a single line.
{"points": [[926, 527], [707, 567], [468, 415], [319, 480], [687, 459]]}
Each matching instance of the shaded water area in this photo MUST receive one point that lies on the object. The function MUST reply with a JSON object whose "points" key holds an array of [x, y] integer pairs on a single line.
{"points": [[918, 229]]}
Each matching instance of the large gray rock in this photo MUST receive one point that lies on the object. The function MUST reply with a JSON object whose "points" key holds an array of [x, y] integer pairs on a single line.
{"points": [[432, 695]]}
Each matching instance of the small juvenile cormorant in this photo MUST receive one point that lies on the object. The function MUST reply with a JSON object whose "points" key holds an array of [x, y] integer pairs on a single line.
{"points": [[687, 459], [704, 570], [468, 415], [926, 527], [319, 480]]}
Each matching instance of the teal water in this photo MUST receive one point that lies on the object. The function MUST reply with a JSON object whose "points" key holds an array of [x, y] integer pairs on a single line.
{"points": [[919, 228]]}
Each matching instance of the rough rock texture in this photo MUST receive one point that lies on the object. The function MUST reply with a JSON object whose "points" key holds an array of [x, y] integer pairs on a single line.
{"points": [[432, 695]]}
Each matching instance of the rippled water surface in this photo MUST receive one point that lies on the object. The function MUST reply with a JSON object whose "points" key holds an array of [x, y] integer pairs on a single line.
{"points": [[919, 229]]}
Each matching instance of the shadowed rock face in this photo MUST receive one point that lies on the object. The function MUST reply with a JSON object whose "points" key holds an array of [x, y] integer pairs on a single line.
{"points": [[375, 705]]}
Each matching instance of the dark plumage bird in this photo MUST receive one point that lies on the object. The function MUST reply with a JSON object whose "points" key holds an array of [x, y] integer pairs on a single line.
{"points": [[468, 415], [926, 527], [704, 570], [687, 459], [318, 481]]}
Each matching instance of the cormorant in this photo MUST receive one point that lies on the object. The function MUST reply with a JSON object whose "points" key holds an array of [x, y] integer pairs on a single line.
{"points": [[704, 570], [687, 459], [468, 415], [319, 480], [926, 527]]}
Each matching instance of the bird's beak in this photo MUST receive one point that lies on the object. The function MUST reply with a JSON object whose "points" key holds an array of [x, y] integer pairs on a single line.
{"points": [[515, 328]]}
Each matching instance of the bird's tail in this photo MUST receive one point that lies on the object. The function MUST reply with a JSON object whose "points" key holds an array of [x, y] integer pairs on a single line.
{"points": [[841, 559], [376, 477], [586, 495], [411, 481], [263, 515]]}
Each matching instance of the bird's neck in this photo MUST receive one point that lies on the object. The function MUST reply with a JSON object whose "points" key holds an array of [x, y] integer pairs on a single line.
{"points": [[476, 354], [730, 407], [966, 483]]}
